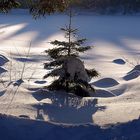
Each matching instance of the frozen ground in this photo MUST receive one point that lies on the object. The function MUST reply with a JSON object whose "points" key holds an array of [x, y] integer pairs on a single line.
{"points": [[117, 100]]}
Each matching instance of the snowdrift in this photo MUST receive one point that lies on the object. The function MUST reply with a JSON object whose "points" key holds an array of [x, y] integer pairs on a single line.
{"points": [[14, 128]]}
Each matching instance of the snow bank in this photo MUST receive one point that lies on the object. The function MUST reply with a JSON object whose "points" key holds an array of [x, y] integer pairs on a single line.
{"points": [[13, 128]]}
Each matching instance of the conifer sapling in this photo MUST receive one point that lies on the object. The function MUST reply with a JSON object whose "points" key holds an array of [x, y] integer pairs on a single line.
{"points": [[72, 75]]}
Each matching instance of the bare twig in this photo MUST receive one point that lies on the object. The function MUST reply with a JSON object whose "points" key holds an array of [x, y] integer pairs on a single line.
{"points": [[24, 65]]}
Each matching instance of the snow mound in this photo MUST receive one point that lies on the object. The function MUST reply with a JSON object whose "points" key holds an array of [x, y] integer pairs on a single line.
{"points": [[3, 60], [112, 92], [132, 75], [136, 68], [2, 70], [105, 82], [103, 93], [119, 90], [2, 93], [119, 61]]}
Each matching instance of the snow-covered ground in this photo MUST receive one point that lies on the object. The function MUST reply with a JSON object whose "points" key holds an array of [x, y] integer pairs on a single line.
{"points": [[115, 55]]}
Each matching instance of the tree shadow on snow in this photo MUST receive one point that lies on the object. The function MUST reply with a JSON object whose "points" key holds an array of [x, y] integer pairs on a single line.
{"points": [[67, 108], [103, 28], [30, 25]]}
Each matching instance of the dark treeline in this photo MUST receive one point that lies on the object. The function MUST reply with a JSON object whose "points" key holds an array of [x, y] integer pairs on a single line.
{"points": [[49, 6], [105, 6], [112, 6]]}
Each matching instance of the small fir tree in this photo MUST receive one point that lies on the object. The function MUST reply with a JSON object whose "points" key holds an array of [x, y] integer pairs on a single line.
{"points": [[72, 75]]}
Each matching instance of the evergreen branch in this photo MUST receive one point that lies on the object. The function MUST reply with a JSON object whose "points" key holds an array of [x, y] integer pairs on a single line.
{"points": [[55, 72], [6, 5], [60, 43], [43, 7], [85, 85], [74, 54], [83, 49], [56, 85], [79, 88], [56, 52], [53, 64], [92, 73], [80, 41], [66, 44]]}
